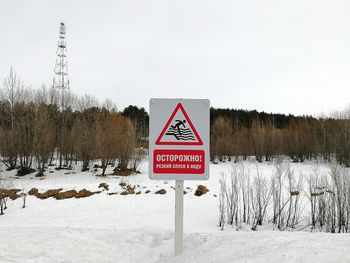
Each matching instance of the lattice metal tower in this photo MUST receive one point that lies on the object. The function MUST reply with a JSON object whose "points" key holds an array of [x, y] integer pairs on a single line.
{"points": [[61, 81]]}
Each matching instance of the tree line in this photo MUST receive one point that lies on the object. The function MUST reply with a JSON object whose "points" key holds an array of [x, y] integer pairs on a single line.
{"points": [[46, 126], [265, 136], [51, 127], [300, 138]]}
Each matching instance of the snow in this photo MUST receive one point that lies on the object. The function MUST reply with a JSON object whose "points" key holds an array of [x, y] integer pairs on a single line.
{"points": [[59, 244], [140, 228]]}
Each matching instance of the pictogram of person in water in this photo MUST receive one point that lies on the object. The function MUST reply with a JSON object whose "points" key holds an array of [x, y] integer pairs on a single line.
{"points": [[178, 124]]}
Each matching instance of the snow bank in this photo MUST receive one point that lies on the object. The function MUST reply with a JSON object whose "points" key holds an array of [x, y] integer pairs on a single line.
{"points": [[140, 228]]}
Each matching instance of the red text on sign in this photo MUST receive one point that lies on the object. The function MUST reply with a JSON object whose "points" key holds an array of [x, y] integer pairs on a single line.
{"points": [[178, 161]]}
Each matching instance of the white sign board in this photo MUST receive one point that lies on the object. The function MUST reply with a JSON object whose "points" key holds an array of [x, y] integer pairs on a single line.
{"points": [[179, 139]]}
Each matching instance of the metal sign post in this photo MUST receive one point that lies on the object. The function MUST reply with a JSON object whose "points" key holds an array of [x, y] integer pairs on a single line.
{"points": [[179, 211], [179, 148]]}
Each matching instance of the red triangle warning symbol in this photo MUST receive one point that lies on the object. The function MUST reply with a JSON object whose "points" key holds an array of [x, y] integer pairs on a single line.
{"points": [[179, 130]]}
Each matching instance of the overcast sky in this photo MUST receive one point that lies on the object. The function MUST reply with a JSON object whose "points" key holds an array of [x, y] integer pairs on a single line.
{"points": [[270, 55]]}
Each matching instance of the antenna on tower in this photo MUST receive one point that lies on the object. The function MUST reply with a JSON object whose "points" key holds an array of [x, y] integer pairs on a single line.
{"points": [[61, 81]]}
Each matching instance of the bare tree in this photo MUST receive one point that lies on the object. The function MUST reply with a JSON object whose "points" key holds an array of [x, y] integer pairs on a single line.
{"points": [[84, 129], [24, 121], [8, 146], [2, 196], [44, 138], [221, 139], [342, 135], [11, 91], [109, 105], [277, 184], [10, 95], [222, 201], [232, 194], [245, 184], [107, 139], [137, 157], [312, 182], [126, 143], [53, 96], [261, 194], [87, 102], [5, 184], [341, 181]]}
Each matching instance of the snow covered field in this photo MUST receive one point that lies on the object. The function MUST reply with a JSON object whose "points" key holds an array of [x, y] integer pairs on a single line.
{"points": [[140, 228]]}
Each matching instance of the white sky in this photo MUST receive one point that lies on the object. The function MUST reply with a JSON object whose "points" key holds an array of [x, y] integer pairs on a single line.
{"points": [[270, 55]]}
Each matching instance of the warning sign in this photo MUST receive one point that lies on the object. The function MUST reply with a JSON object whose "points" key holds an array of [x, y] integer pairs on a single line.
{"points": [[179, 130], [179, 139], [179, 161]]}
